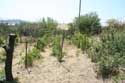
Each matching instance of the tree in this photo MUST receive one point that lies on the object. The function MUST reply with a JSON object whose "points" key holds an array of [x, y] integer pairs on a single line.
{"points": [[9, 57], [114, 23], [89, 23]]}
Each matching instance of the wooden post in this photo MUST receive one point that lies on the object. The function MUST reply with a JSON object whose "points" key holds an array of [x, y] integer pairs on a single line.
{"points": [[9, 57], [26, 55], [63, 36]]}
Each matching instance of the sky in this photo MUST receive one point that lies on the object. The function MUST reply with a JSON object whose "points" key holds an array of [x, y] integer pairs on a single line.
{"points": [[63, 11]]}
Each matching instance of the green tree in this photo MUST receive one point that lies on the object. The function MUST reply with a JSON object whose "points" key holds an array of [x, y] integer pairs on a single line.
{"points": [[114, 23], [89, 23]]}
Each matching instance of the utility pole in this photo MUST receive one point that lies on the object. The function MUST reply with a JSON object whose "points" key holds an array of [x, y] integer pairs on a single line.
{"points": [[79, 12]]}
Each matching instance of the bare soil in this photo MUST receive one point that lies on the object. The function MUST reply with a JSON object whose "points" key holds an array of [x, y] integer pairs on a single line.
{"points": [[75, 68]]}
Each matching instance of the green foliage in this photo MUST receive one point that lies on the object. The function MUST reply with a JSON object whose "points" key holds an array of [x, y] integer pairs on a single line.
{"points": [[89, 23], [34, 29], [29, 29], [93, 51], [50, 23], [37, 29], [114, 23], [5, 29], [42, 42], [57, 49], [2, 56], [16, 80], [2, 74], [29, 61], [71, 31], [34, 54], [109, 53], [47, 26], [1, 40], [81, 41], [17, 40]]}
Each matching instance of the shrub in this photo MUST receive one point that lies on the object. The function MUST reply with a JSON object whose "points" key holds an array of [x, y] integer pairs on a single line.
{"points": [[93, 51], [2, 56], [1, 40], [114, 23], [71, 30], [37, 29], [81, 41], [48, 26], [17, 39], [57, 49], [29, 61], [2, 75], [109, 53], [42, 42], [89, 23], [34, 54]]}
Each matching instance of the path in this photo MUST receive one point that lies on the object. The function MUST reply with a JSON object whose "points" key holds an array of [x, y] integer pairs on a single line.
{"points": [[76, 68]]}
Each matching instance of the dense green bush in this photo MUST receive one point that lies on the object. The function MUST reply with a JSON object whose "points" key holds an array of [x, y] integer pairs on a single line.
{"points": [[57, 49], [81, 41], [89, 23], [110, 52], [42, 42]]}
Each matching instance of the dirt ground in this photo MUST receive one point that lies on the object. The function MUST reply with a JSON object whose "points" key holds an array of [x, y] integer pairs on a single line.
{"points": [[76, 67]]}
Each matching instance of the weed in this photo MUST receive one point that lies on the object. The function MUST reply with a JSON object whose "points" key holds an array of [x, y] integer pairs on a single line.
{"points": [[57, 49]]}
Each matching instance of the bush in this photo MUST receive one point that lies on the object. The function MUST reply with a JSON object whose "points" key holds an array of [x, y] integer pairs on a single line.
{"points": [[81, 41], [1, 40], [2, 75], [93, 51], [71, 30], [48, 26], [89, 23], [29, 61], [34, 54], [38, 29], [114, 23], [57, 49], [109, 53], [42, 42], [2, 56]]}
